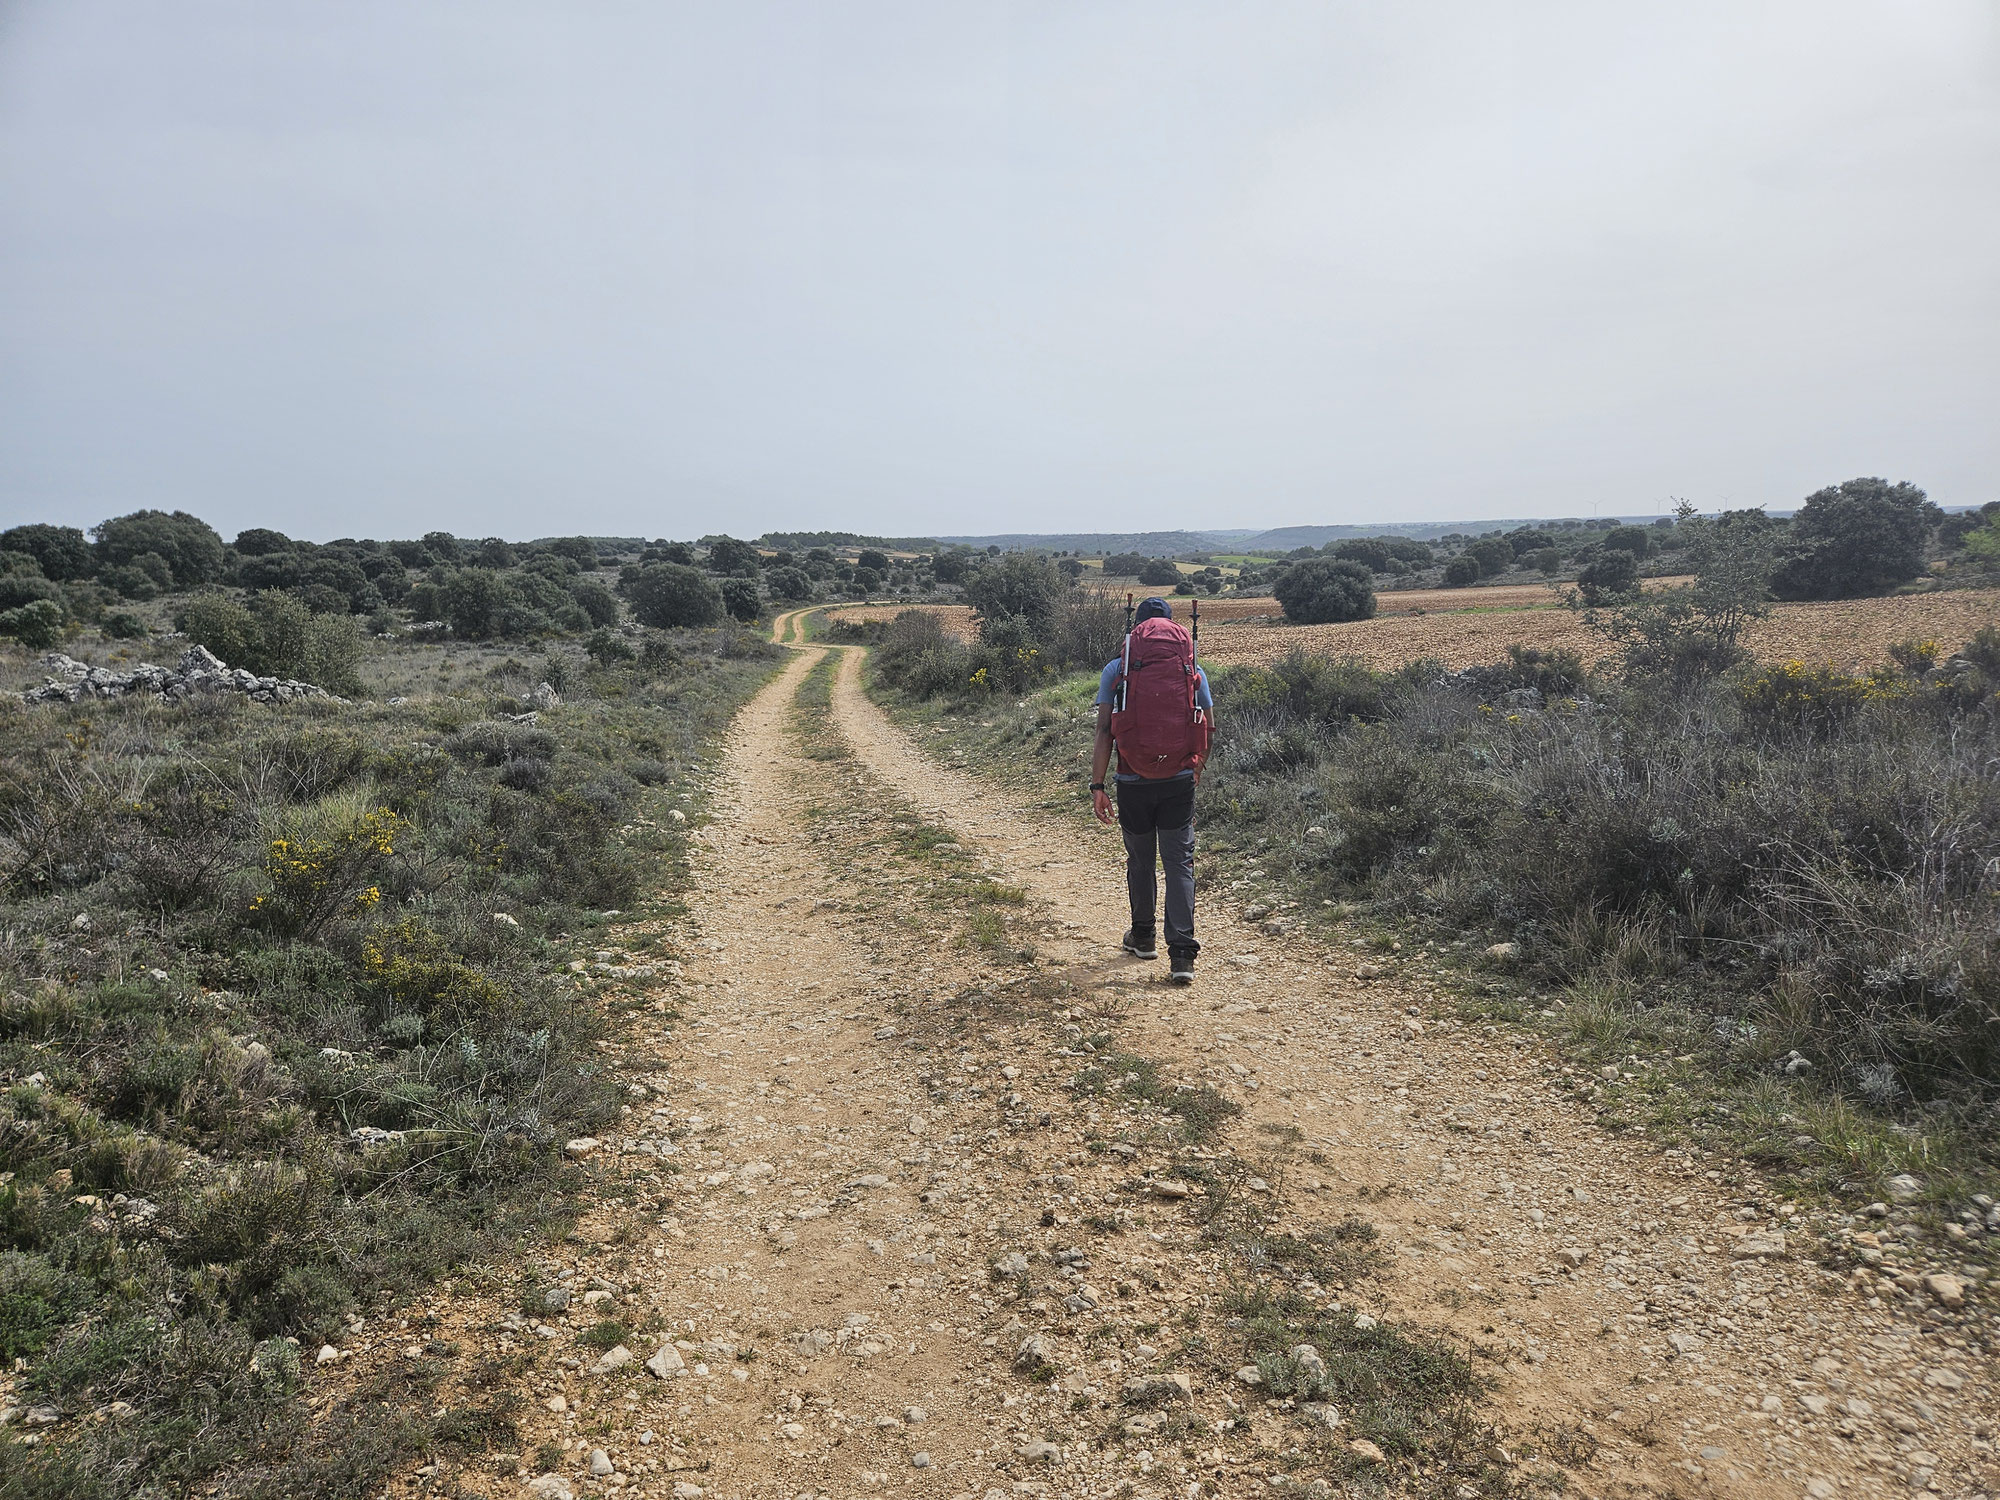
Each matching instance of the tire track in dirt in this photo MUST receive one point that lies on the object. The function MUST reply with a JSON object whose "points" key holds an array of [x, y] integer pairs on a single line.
{"points": [[1639, 1298]]}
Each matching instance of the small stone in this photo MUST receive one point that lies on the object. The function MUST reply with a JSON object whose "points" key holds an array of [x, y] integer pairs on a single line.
{"points": [[1504, 952], [1795, 1064], [920, 1460], [1572, 1256], [556, 1299], [1037, 1451], [1363, 1449], [501, 919], [1760, 1244], [601, 1466], [1815, 1405], [883, 1033], [613, 1359], [1035, 1354], [327, 1355], [1169, 1187], [1250, 1375], [557, 1404], [1609, 1072], [1711, 1454], [1363, 1322], [1904, 1188], [1013, 1263], [915, 1414], [582, 1146], [1684, 1343], [1948, 1291], [667, 1363], [551, 1487], [1946, 1380], [675, 815]]}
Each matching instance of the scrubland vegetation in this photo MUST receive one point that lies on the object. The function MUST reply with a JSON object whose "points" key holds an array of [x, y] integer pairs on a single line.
{"points": [[288, 1027], [1778, 873]]}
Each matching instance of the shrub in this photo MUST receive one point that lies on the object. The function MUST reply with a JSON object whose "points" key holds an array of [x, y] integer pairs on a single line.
{"points": [[1613, 576], [728, 555], [275, 635], [1323, 591], [1632, 539], [17, 590], [61, 552], [1855, 538], [1124, 564], [1460, 571], [1793, 694], [666, 595], [739, 597], [790, 584], [37, 625], [1018, 584], [124, 626], [1686, 634], [188, 548], [1494, 554], [1159, 573]]}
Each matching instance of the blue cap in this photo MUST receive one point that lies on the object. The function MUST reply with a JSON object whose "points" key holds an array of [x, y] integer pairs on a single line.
{"points": [[1155, 608]]}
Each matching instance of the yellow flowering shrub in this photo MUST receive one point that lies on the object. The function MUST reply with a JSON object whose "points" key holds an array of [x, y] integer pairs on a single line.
{"points": [[313, 880], [412, 962], [1793, 693]]}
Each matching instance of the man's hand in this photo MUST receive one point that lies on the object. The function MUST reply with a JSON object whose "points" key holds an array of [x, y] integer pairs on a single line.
{"points": [[1100, 803]]}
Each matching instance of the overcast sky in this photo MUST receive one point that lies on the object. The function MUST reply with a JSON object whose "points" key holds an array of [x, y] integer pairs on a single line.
{"points": [[645, 268]]}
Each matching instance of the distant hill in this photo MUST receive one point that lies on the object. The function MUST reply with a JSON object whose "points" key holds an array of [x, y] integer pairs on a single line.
{"points": [[1285, 538], [1152, 543]]}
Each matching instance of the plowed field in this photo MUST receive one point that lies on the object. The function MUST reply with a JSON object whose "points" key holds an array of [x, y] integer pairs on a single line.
{"points": [[1465, 627], [1846, 633]]}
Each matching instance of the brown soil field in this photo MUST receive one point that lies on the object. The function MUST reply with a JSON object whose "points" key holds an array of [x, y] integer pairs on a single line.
{"points": [[1849, 633]]}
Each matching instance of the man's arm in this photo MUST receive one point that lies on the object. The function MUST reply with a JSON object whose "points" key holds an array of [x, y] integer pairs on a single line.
{"points": [[1100, 762]]}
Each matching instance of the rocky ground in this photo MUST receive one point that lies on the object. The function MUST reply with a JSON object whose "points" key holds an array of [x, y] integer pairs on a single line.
{"points": [[924, 1188]]}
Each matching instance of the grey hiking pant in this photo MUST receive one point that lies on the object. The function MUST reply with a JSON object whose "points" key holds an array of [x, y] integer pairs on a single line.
{"points": [[1157, 819]]}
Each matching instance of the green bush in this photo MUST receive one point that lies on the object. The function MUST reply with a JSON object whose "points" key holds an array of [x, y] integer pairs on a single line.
{"points": [[1461, 571], [1323, 591], [275, 635], [739, 598], [669, 595], [37, 625], [1855, 538], [124, 626], [1611, 577]]}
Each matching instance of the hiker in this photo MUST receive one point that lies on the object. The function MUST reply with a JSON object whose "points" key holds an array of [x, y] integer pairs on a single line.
{"points": [[1154, 701]]}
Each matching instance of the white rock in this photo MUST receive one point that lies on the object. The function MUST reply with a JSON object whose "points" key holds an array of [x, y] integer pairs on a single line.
{"points": [[582, 1146], [1904, 1188], [1949, 1291], [551, 1487], [601, 1466], [327, 1355], [667, 1363], [613, 1359]]}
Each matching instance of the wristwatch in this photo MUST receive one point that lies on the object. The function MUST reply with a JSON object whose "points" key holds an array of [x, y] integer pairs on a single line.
{"points": [[1097, 786]]}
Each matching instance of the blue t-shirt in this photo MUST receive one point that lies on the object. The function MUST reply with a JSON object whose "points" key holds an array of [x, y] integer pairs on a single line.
{"points": [[1107, 685]]}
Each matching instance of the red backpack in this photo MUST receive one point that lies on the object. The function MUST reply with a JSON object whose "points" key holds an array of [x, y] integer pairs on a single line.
{"points": [[1160, 729]]}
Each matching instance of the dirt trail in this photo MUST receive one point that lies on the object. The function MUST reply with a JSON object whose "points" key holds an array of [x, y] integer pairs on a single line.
{"points": [[851, 1122]]}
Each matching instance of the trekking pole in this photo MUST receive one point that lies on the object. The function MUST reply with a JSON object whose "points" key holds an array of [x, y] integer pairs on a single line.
{"points": [[1194, 650], [1124, 658]]}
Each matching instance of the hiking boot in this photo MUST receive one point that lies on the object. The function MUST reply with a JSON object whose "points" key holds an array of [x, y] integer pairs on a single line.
{"points": [[1140, 944], [1182, 960]]}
